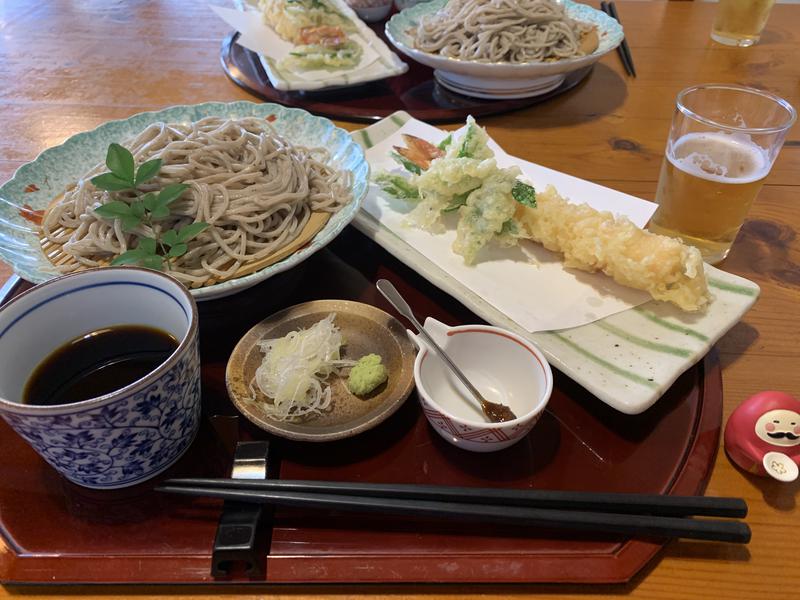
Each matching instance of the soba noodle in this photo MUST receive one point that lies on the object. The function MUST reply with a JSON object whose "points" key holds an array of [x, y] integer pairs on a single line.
{"points": [[514, 31], [255, 189]]}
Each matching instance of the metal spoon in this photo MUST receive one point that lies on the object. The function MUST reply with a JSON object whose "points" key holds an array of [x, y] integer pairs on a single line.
{"points": [[496, 413]]}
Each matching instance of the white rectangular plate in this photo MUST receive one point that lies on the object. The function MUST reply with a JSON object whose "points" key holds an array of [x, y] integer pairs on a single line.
{"points": [[627, 360]]}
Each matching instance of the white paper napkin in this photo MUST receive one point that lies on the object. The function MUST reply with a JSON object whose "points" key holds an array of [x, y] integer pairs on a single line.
{"points": [[529, 284]]}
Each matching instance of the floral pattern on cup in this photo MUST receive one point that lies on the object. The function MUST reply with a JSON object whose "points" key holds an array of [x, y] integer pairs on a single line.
{"points": [[128, 440]]}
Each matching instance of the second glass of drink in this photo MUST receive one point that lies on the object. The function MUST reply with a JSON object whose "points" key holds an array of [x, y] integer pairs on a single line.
{"points": [[722, 144], [740, 22]]}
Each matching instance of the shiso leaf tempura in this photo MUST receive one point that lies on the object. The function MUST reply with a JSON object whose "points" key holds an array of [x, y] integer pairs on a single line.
{"points": [[294, 370], [493, 204]]}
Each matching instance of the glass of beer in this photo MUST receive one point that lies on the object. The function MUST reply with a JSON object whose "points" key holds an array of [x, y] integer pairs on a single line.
{"points": [[723, 141], [740, 22]]}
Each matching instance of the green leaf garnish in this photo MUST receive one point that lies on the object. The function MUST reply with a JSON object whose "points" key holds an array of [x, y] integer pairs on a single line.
{"points": [[170, 238], [130, 222], [171, 193], [113, 210], [150, 201], [178, 250], [137, 208], [111, 183], [160, 212], [153, 261], [152, 252], [147, 245], [128, 214], [188, 232], [148, 170], [130, 257], [524, 194], [119, 161]]}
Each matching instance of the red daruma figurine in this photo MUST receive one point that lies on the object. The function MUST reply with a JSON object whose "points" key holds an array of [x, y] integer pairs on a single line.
{"points": [[763, 435]]}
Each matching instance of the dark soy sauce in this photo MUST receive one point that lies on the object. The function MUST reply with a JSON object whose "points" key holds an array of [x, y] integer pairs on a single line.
{"points": [[97, 363]]}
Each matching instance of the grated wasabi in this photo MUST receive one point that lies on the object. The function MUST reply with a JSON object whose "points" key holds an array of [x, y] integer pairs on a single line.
{"points": [[367, 374]]}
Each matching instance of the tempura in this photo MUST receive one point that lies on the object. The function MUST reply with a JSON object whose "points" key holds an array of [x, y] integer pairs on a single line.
{"points": [[591, 240], [493, 205]]}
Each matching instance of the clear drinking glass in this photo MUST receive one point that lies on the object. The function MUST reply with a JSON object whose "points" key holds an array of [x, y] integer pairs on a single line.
{"points": [[740, 22], [722, 144]]}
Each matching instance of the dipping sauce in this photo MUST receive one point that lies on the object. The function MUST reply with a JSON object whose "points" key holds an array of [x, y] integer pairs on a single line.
{"points": [[98, 363]]}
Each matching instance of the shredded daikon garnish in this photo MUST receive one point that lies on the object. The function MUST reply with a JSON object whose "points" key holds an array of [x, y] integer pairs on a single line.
{"points": [[293, 371]]}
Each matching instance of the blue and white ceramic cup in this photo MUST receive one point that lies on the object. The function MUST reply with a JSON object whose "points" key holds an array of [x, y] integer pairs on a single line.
{"points": [[127, 436]]}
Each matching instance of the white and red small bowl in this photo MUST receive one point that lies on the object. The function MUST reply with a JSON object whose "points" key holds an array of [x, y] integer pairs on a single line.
{"points": [[505, 368]]}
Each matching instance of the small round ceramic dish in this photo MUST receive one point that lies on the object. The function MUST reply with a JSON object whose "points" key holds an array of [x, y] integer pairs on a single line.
{"points": [[36, 184], [501, 80], [366, 330], [503, 366]]}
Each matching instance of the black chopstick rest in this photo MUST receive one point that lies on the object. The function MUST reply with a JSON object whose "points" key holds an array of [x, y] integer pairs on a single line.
{"points": [[237, 543]]}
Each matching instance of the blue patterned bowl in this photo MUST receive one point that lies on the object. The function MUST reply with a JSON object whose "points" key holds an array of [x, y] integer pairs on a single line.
{"points": [[127, 436]]}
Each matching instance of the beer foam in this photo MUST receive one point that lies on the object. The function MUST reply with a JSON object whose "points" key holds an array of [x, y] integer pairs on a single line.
{"points": [[723, 157]]}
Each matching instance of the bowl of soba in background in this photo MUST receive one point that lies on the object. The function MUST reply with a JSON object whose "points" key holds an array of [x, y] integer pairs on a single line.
{"points": [[466, 65], [100, 373]]}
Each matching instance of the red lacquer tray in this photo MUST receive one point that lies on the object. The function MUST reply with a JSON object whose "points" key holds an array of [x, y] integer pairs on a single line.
{"points": [[415, 92], [58, 533]]}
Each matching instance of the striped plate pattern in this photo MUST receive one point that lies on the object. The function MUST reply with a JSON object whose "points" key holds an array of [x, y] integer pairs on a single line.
{"points": [[627, 360]]}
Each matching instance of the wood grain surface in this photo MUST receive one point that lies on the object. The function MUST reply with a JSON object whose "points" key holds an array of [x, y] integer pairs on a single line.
{"points": [[68, 65]]}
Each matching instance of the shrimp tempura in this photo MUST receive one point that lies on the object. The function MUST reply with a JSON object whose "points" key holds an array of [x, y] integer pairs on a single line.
{"points": [[598, 241]]}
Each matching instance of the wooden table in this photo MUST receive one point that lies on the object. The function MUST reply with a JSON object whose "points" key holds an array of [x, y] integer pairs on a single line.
{"points": [[69, 66]]}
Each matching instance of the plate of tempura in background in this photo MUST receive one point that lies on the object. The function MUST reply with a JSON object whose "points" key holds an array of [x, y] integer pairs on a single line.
{"points": [[307, 45]]}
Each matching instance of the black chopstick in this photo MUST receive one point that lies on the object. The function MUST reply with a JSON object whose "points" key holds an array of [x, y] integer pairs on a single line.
{"points": [[596, 522], [626, 49], [649, 504], [623, 49]]}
